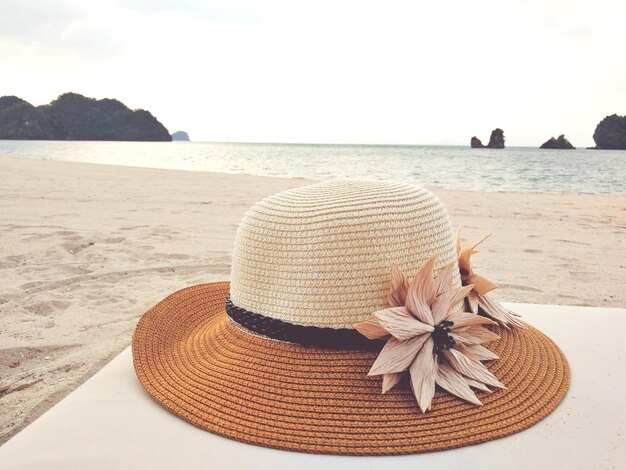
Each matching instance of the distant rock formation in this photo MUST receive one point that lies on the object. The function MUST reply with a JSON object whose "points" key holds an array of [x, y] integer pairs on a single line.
{"points": [[180, 135], [496, 140], [611, 133], [476, 143], [559, 143], [75, 117]]}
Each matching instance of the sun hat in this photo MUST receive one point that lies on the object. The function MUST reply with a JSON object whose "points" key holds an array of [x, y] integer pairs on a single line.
{"points": [[341, 291]]}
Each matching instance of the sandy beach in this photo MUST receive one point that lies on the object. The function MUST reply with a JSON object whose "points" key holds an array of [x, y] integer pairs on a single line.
{"points": [[85, 249]]}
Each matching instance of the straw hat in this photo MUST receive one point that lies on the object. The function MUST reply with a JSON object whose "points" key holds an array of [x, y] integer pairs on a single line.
{"points": [[280, 356]]}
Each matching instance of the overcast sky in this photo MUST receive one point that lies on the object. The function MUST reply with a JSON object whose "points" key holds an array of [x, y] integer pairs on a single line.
{"points": [[337, 71]]}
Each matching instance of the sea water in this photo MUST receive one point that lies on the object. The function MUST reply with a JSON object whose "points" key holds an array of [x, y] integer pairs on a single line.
{"points": [[514, 169]]}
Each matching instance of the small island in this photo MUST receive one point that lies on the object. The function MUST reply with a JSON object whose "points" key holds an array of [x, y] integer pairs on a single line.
{"points": [[496, 140], [75, 117], [180, 136], [610, 133], [559, 143], [476, 143]]}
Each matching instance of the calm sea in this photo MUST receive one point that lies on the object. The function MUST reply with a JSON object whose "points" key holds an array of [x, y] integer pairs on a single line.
{"points": [[513, 169]]}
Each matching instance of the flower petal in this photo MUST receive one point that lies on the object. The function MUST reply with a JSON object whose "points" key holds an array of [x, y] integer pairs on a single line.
{"points": [[397, 292], [423, 371], [473, 335], [444, 278], [477, 352], [421, 293], [471, 368], [443, 303], [371, 329], [391, 380], [481, 284], [399, 322], [472, 301], [396, 355], [471, 246], [498, 312], [463, 319], [464, 253], [455, 383], [476, 384]]}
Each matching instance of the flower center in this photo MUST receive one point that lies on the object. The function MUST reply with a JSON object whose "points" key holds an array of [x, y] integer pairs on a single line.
{"points": [[442, 338]]}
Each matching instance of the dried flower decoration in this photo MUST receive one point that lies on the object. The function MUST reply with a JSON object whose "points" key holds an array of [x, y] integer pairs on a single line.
{"points": [[436, 346], [477, 299]]}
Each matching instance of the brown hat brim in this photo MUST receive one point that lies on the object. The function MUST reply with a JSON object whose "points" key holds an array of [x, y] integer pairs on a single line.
{"points": [[196, 363]]}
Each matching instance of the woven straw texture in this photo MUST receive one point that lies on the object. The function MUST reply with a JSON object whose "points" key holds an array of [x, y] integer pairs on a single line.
{"points": [[322, 254], [200, 366]]}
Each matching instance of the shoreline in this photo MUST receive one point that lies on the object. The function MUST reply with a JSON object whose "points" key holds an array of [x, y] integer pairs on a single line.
{"points": [[303, 178], [86, 248]]}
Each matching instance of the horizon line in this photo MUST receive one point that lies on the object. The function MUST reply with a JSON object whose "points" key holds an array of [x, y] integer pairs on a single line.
{"points": [[349, 144]]}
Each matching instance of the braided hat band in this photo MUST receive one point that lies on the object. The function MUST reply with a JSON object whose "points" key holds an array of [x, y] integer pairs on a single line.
{"points": [[313, 336]]}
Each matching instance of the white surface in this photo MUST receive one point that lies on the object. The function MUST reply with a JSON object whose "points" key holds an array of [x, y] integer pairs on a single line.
{"points": [[111, 423]]}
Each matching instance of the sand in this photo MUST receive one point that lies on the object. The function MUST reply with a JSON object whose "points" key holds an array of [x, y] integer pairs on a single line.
{"points": [[86, 249]]}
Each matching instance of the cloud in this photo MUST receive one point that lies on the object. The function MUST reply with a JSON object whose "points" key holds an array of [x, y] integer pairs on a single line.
{"points": [[58, 28], [35, 22], [95, 29], [216, 10]]}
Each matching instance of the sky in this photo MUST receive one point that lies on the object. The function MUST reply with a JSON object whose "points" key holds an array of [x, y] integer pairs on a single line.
{"points": [[386, 72]]}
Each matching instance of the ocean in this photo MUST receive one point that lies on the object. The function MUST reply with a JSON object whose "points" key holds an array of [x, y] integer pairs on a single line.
{"points": [[514, 169]]}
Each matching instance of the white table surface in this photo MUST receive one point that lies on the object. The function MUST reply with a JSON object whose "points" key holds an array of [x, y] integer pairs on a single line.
{"points": [[110, 422]]}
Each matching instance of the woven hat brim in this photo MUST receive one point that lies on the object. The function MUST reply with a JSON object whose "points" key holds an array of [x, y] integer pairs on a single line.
{"points": [[200, 366]]}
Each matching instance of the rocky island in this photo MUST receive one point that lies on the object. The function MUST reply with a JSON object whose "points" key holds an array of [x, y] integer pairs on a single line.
{"points": [[476, 143], [496, 140], [610, 133], [559, 143], [75, 117], [181, 136]]}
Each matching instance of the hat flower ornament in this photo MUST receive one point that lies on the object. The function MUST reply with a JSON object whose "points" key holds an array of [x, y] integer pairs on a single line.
{"points": [[435, 345], [339, 290]]}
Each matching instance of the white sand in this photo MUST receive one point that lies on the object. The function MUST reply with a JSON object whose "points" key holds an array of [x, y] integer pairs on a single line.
{"points": [[85, 249]]}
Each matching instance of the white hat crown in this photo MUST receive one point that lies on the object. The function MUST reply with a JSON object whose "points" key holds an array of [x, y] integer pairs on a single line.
{"points": [[321, 255]]}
